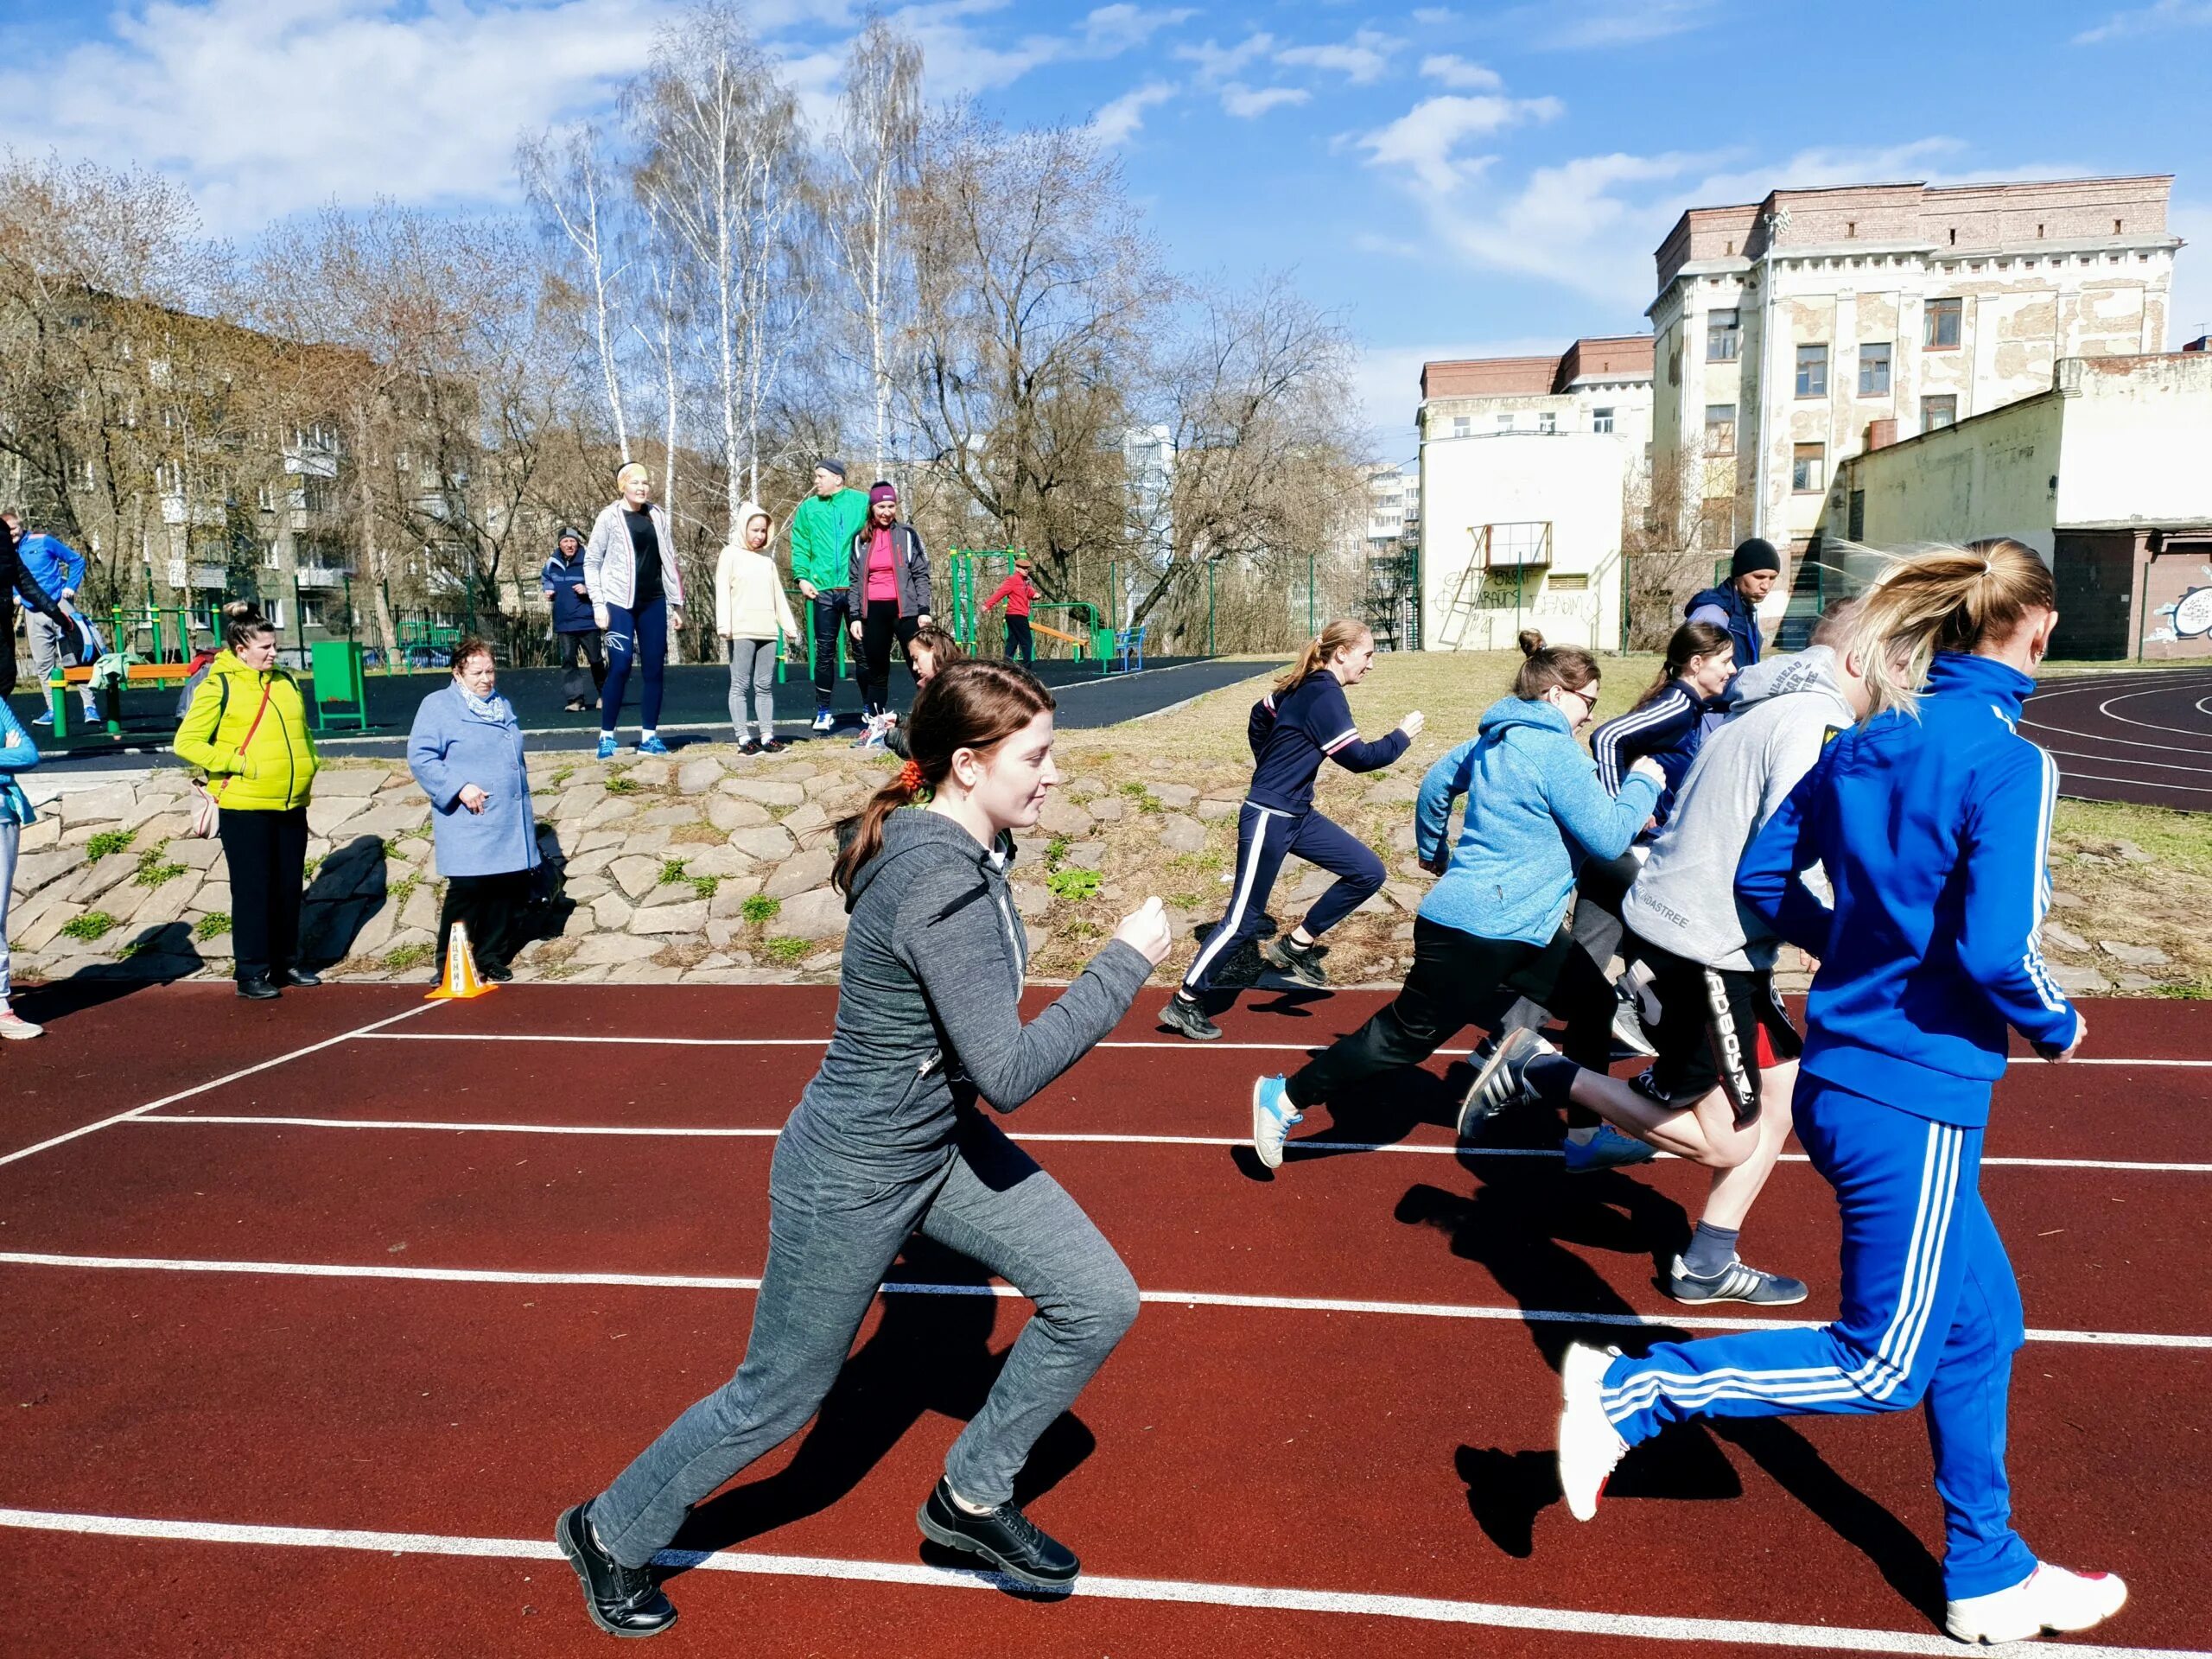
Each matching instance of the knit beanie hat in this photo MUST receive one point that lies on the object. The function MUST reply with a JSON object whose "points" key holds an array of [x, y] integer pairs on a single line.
{"points": [[881, 491], [1756, 553], [826, 465]]}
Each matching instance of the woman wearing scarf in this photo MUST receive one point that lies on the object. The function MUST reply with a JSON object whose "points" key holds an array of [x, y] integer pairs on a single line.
{"points": [[466, 750]]}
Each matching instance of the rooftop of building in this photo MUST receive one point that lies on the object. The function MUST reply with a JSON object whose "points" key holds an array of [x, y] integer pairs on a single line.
{"points": [[1593, 356]]}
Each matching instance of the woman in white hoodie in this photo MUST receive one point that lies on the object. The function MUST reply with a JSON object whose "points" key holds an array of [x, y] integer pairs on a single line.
{"points": [[749, 609]]}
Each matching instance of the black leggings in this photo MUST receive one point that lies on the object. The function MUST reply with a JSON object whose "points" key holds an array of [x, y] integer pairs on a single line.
{"points": [[490, 906], [575, 648], [878, 629], [266, 856], [1456, 978]]}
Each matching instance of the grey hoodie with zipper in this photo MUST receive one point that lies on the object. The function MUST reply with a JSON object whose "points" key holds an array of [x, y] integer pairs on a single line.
{"points": [[929, 1003], [1684, 900]]}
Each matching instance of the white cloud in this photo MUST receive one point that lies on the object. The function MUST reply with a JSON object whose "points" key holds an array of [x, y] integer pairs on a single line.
{"points": [[1248, 102], [1580, 25], [1110, 30], [1458, 74], [1434, 16], [1219, 62], [1118, 122], [2148, 20], [1424, 139], [1360, 59]]}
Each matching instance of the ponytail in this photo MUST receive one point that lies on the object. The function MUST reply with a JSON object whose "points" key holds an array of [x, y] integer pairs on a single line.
{"points": [[243, 624], [1691, 639], [1550, 666], [1342, 634], [1943, 599]]}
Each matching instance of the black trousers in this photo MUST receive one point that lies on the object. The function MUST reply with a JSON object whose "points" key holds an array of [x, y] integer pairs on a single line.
{"points": [[574, 649], [489, 906], [833, 613], [266, 854], [1017, 638], [879, 628], [1456, 977]]}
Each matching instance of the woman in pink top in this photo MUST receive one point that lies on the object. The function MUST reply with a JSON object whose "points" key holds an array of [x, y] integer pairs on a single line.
{"points": [[891, 572]]}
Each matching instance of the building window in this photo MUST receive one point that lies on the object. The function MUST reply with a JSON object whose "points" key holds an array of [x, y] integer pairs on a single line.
{"points": [[1855, 520], [1812, 370], [1874, 370], [1808, 467], [1462, 426], [1720, 428], [1505, 422], [1723, 338], [1940, 325], [1936, 413], [1601, 420], [1717, 522], [1546, 423], [269, 555]]}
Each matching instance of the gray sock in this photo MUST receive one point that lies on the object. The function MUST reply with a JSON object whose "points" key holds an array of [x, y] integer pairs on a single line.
{"points": [[1711, 1249]]}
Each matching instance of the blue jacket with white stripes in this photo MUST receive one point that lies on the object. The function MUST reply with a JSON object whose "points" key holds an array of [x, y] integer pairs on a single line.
{"points": [[1934, 830], [1293, 732], [1667, 727]]}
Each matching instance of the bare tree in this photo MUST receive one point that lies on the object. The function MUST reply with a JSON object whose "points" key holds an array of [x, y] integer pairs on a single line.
{"points": [[569, 182], [1665, 534], [878, 145]]}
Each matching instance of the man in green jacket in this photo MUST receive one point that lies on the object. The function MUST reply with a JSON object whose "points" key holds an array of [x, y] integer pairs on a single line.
{"points": [[821, 548]]}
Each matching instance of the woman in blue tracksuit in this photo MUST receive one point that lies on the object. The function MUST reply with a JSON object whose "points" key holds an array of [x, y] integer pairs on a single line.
{"points": [[1535, 810], [1931, 820], [1302, 722]]}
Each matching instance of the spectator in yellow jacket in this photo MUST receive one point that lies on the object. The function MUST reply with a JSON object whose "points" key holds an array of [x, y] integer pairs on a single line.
{"points": [[247, 730]]}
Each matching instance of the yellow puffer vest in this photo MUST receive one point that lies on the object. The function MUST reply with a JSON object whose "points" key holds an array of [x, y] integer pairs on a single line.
{"points": [[276, 769]]}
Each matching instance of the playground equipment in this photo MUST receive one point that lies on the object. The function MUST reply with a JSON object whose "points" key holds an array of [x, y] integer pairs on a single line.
{"points": [[1087, 638]]}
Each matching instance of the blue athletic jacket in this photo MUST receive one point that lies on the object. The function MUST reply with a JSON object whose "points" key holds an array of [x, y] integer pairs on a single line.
{"points": [[1534, 809], [1668, 728], [1933, 832], [1293, 732]]}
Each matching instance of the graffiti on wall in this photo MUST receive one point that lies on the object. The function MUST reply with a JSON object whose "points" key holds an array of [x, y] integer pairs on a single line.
{"points": [[2189, 617]]}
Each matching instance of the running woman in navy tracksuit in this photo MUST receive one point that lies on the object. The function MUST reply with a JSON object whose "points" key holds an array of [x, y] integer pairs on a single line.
{"points": [[1931, 821], [1303, 721]]}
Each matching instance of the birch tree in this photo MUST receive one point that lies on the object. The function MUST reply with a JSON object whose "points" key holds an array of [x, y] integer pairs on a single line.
{"points": [[569, 182], [877, 148]]}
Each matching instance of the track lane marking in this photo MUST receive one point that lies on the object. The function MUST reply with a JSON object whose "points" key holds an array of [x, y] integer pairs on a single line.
{"points": [[1100, 1586], [910, 1287], [1057, 1137], [374, 1028]]}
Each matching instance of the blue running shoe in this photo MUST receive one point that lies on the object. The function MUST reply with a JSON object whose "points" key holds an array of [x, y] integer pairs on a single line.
{"points": [[1607, 1149], [1273, 1117], [606, 746], [652, 745]]}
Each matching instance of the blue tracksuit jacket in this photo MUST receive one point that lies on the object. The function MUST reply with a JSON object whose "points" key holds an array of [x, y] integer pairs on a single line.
{"points": [[1668, 728], [1292, 732], [1935, 833]]}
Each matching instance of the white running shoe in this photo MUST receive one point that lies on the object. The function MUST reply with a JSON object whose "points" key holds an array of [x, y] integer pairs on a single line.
{"points": [[2049, 1598], [1273, 1118], [1589, 1446], [16, 1028]]}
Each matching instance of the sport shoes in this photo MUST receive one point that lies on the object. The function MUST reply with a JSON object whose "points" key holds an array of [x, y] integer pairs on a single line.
{"points": [[1301, 962], [1005, 1537], [652, 745], [1734, 1283], [824, 722], [621, 1600], [1503, 1080], [871, 735], [1273, 1117], [14, 1029], [1185, 1014], [2049, 1598], [1631, 1022], [1589, 1446], [773, 745], [1607, 1149], [606, 746]]}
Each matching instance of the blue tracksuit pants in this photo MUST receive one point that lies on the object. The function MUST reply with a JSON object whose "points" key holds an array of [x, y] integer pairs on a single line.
{"points": [[639, 637], [1264, 838], [1930, 1314]]}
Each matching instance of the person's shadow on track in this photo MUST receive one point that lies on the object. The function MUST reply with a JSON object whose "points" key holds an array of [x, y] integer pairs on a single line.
{"points": [[929, 1353], [1517, 1226]]}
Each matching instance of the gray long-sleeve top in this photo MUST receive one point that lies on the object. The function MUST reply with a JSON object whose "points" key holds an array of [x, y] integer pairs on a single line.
{"points": [[929, 1004]]}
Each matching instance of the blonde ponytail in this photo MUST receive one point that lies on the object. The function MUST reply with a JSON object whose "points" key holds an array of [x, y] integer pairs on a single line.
{"points": [[1342, 634], [1941, 599]]}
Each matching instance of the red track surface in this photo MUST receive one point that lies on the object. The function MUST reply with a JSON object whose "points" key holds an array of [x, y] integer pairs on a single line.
{"points": [[1315, 1449]]}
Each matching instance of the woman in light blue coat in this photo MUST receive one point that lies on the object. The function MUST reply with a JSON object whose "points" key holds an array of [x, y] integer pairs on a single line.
{"points": [[466, 750], [17, 754]]}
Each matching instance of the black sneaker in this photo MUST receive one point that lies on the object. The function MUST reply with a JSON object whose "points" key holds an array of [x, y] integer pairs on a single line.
{"points": [[1005, 1538], [1502, 1082], [1300, 962], [1184, 1014], [621, 1600], [497, 973], [773, 745], [258, 990], [301, 978], [749, 746]]}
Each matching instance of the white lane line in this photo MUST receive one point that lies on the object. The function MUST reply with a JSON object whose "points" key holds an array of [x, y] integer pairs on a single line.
{"points": [[1165, 1298], [1264, 1598], [1179, 1044], [218, 1082], [432, 1125]]}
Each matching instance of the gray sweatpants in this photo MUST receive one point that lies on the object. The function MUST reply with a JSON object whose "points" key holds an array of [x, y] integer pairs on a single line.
{"points": [[11, 834], [834, 1227], [752, 686], [46, 654]]}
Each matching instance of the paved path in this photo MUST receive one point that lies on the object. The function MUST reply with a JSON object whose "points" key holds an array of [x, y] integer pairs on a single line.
{"points": [[2144, 737], [694, 708]]}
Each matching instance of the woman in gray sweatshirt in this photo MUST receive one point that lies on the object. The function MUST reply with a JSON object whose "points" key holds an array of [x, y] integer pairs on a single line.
{"points": [[888, 1140]]}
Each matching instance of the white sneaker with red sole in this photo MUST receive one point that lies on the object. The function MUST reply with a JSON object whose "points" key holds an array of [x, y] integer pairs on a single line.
{"points": [[1589, 1446], [14, 1029], [2049, 1598]]}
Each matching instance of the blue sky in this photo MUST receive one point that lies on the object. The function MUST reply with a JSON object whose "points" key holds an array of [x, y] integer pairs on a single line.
{"points": [[1450, 179]]}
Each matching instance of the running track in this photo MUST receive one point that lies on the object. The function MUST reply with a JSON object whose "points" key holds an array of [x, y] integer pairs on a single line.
{"points": [[2142, 737], [318, 1313]]}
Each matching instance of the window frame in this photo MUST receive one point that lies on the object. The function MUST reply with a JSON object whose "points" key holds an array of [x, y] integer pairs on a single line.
{"points": [[1601, 420], [1733, 333], [1799, 456], [1805, 362], [1949, 398], [1887, 362], [1712, 425], [1931, 311]]}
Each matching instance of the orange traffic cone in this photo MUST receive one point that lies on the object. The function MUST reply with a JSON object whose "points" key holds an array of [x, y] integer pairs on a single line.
{"points": [[461, 981]]}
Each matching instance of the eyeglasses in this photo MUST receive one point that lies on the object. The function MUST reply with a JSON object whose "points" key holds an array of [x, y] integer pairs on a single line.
{"points": [[1589, 701]]}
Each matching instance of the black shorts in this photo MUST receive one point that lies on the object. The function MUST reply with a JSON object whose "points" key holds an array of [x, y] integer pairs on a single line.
{"points": [[1719, 1028]]}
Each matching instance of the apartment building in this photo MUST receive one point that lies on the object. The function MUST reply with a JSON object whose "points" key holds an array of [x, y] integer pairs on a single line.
{"points": [[1790, 331]]}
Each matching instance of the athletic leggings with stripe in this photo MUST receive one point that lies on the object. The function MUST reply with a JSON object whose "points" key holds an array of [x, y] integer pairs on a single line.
{"points": [[1264, 838], [1931, 1316]]}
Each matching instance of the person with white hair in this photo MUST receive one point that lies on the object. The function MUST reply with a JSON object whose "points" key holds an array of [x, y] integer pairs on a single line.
{"points": [[636, 596]]}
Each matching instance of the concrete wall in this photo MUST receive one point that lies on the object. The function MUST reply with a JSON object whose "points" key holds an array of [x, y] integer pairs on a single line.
{"points": [[1986, 477], [2138, 442]]}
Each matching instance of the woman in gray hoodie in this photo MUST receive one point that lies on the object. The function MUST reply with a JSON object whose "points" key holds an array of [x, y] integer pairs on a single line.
{"points": [[889, 1140]]}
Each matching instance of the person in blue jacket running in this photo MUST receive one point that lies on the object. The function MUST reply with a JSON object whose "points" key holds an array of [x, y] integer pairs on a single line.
{"points": [[1931, 822], [1302, 722]]}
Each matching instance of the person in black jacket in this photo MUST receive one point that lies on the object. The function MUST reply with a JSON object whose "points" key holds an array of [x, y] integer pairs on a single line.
{"points": [[15, 579], [574, 628]]}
